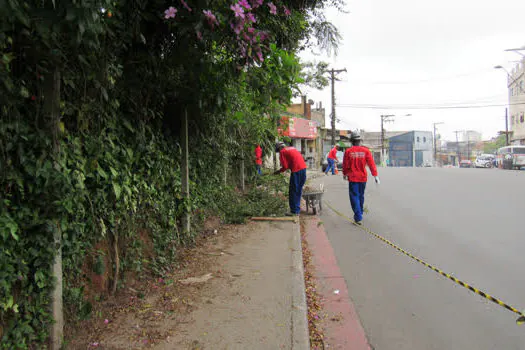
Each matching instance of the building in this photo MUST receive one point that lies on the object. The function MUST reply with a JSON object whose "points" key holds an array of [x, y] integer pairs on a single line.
{"points": [[516, 84], [413, 148], [372, 140], [451, 153], [471, 136], [302, 124], [318, 114]]}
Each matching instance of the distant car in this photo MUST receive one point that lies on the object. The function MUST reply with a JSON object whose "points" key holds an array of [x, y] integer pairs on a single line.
{"points": [[340, 155], [465, 164], [484, 161]]}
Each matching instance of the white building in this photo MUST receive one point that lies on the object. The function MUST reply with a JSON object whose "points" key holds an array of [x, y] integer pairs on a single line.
{"points": [[471, 136], [516, 84]]}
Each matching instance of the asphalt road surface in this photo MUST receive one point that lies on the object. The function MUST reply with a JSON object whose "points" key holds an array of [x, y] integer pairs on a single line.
{"points": [[467, 222]]}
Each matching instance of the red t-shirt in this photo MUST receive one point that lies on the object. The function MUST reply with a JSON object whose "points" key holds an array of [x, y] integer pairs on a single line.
{"points": [[258, 155], [291, 159], [333, 153], [355, 160]]}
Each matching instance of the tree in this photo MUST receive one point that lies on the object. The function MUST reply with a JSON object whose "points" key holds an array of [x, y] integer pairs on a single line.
{"points": [[492, 147]]}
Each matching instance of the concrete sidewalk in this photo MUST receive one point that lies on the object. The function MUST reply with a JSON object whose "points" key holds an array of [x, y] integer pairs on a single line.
{"points": [[262, 305]]}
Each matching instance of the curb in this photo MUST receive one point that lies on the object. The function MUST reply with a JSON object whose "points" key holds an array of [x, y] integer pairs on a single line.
{"points": [[299, 318], [343, 328]]}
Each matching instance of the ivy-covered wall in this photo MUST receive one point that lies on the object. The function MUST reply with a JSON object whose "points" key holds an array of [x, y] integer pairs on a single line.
{"points": [[91, 97]]}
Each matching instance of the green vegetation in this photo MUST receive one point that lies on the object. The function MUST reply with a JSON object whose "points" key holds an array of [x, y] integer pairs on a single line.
{"points": [[491, 147], [92, 94]]}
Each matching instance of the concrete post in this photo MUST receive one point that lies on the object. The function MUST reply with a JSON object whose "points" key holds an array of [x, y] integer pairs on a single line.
{"points": [[57, 330], [185, 173], [52, 114], [225, 172], [242, 174]]}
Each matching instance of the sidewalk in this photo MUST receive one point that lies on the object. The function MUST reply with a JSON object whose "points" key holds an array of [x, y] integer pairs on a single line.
{"points": [[263, 305], [240, 288]]}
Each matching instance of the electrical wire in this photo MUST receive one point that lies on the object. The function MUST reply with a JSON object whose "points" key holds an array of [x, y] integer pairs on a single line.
{"points": [[420, 81], [364, 106]]}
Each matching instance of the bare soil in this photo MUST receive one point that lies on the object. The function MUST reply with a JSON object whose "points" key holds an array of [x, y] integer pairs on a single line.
{"points": [[149, 310]]}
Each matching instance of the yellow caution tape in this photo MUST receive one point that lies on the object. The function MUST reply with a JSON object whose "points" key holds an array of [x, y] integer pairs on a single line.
{"points": [[519, 321]]}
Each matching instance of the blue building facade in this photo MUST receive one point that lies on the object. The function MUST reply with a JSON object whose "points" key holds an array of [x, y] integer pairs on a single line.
{"points": [[410, 149]]}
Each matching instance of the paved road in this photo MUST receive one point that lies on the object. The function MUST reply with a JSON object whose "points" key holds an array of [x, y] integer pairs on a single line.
{"points": [[468, 222]]}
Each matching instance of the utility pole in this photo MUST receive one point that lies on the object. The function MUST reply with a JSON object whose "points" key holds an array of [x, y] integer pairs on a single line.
{"points": [[333, 78], [435, 142], [384, 119], [457, 146], [468, 145]]}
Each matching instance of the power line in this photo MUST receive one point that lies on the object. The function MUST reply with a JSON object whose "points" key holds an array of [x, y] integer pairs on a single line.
{"points": [[421, 81], [356, 106], [476, 101]]}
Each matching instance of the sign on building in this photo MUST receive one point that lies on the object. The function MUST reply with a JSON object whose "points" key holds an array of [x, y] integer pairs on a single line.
{"points": [[297, 128]]}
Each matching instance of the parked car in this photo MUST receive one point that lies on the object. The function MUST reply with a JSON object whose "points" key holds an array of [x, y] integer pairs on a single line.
{"points": [[484, 161], [465, 163], [340, 155]]}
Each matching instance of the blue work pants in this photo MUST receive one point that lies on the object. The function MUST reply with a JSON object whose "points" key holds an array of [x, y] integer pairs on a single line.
{"points": [[356, 191], [297, 181], [331, 165]]}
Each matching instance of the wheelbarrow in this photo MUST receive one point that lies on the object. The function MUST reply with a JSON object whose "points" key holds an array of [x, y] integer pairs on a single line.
{"points": [[314, 199]]}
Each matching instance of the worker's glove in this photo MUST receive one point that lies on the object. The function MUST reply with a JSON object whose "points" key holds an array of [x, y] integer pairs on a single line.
{"points": [[377, 180]]}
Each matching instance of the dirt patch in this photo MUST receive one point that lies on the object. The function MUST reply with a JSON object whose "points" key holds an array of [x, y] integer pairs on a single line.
{"points": [[313, 299], [151, 310]]}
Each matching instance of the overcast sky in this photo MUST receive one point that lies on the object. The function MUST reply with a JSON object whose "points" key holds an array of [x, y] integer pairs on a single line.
{"points": [[414, 52]]}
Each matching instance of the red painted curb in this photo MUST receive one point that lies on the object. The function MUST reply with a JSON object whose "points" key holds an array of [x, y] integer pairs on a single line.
{"points": [[342, 327]]}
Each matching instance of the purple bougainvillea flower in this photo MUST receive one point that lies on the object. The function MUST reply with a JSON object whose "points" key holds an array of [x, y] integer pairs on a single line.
{"points": [[238, 10], [273, 8], [199, 35], [257, 3], [212, 20], [237, 28], [170, 12], [263, 36], [245, 4], [185, 5], [286, 11], [260, 55], [250, 17]]}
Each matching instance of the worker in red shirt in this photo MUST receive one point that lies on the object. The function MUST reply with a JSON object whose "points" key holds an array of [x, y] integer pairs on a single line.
{"points": [[291, 159], [258, 159], [332, 159], [355, 160]]}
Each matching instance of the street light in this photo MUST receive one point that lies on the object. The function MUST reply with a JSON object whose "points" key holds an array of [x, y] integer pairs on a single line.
{"points": [[509, 77], [385, 119], [518, 50]]}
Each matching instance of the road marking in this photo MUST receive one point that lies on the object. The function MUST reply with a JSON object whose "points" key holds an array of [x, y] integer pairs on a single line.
{"points": [[519, 321]]}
